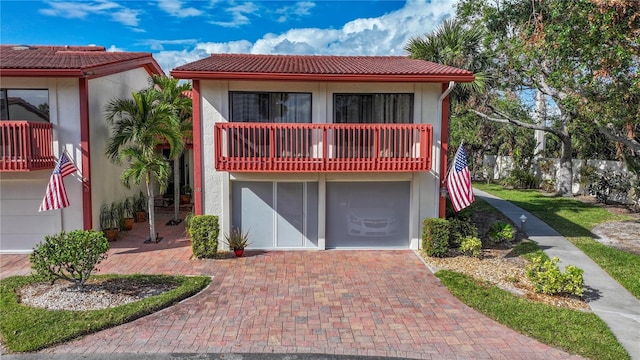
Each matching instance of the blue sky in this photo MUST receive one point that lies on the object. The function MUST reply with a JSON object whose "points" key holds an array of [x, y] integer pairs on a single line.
{"points": [[177, 32]]}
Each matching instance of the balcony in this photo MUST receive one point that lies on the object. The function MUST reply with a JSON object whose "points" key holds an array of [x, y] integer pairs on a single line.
{"points": [[26, 146], [280, 147]]}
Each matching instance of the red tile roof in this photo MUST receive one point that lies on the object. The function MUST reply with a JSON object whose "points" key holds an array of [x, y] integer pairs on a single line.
{"points": [[316, 67], [72, 61]]}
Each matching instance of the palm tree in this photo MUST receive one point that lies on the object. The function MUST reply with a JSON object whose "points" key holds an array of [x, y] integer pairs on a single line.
{"points": [[454, 44], [172, 93], [139, 125]]}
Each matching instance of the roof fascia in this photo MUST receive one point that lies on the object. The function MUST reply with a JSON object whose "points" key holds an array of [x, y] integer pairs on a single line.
{"points": [[74, 73], [203, 75], [149, 64]]}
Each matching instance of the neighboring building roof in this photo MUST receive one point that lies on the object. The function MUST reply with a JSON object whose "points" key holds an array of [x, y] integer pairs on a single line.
{"points": [[70, 61], [319, 68]]}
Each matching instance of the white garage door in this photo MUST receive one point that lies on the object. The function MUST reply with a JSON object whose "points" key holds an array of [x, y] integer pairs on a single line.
{"points": [[368, 215]]}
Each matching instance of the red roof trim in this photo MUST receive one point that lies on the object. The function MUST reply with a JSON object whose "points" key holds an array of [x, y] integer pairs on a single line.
{"points": [[201, 75]]}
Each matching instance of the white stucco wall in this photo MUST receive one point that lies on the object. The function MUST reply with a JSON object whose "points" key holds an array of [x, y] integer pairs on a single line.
{"points": [[106, 186], [215, 108], [21, 193]]}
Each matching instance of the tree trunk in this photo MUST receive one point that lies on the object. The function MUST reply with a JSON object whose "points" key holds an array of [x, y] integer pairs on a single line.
{"points": [[176, 189], [564, 174], [151, 203]]}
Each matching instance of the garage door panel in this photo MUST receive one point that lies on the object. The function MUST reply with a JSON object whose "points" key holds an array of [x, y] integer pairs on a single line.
{"points": [[368, 215]]}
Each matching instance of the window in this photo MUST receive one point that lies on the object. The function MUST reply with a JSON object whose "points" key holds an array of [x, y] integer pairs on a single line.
{"points": [[270, 107], [373, 108], [24, 104]]}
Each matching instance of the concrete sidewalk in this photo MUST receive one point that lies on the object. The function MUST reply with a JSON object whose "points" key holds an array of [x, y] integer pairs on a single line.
{"points": [[614, 304]]}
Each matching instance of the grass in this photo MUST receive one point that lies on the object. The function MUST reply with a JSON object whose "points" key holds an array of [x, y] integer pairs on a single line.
{"points": [[574, 331], [26, 328], [574, 220]]}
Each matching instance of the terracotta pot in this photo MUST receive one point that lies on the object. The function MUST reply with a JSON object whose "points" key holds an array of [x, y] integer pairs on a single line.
{"points": [[185, 199], [111, 234], [141, 216], [238, 252], [128, 224]]}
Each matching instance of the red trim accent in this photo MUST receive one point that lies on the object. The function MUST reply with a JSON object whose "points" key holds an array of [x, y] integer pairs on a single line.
{"points": [[28, 146], [87, 211], [288, 147], [203, 75], [197, 149], [444, 148]]}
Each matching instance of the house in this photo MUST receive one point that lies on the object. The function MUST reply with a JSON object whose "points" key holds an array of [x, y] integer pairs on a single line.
{"points": [[52, 99], [319, 152]]}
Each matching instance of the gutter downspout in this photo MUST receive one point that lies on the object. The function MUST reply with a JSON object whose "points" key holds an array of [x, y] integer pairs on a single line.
{"points": [[443, 106]]}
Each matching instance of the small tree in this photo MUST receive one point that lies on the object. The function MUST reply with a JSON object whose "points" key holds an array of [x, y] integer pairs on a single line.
{"points": [[69, 256], [139, 125]]}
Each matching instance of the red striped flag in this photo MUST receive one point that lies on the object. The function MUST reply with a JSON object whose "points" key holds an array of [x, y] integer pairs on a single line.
{"points": [[56, 195], [459, 182]]}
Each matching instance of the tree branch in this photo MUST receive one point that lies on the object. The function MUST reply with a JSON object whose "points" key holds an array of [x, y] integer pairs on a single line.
{"points": [[507, 120], [631, 143]]}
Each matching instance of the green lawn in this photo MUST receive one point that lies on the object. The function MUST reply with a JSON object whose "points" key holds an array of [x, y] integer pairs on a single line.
{"points": [[574, 220], [26, 328], [574, 331]]}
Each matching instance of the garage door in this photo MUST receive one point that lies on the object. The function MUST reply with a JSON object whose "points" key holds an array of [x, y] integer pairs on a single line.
{"points": [[367, 215], [276, 214]]}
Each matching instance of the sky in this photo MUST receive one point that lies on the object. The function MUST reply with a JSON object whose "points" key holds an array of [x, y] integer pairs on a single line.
{"points": [[178, 32]]}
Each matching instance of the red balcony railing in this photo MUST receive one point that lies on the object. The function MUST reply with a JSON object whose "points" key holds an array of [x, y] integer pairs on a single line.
{"points": [[26, 146], [278, 147]]}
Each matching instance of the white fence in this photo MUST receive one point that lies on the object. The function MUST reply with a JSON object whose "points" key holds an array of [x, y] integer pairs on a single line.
{"points": [[499, 167]]}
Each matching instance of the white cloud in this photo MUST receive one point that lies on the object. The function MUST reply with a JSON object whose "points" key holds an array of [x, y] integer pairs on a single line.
{"points": [[297, 10], [127, 17], [238, 15], [80, 10], [158, 45], [384, 35], [113, 48], [174, 8]]}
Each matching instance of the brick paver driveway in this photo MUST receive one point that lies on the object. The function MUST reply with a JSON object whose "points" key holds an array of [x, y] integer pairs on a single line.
{"points": [[336, 302]]}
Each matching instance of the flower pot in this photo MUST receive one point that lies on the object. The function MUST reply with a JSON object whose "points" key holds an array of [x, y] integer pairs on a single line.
{"points": [[238, 252], [128, 224], [185, 199], [141, 216], [111, 234]]}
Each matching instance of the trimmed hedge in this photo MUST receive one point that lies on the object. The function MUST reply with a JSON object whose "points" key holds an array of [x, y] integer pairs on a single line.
{"points": [[204, 231], [435, 237]]}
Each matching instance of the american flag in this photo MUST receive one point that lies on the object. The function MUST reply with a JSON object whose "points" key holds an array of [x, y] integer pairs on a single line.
{"points": [[56, 196], [459, 182]]}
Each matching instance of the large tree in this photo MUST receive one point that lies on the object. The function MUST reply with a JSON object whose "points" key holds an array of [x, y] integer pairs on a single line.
{"points": [[583, 55], [172, 93], [140, 124]]}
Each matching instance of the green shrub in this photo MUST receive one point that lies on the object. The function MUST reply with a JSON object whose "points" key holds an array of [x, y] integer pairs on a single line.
{"points": [[464, 214], [69, 256], [460, 229], [471, 246], [204, 231], [500, 231], [435, 237], [548, 279]]}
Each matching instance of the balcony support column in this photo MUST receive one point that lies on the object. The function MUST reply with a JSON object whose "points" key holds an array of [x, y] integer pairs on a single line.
{"points": [[85, 149]]}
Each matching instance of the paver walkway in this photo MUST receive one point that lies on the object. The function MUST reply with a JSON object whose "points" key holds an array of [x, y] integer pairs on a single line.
{"points": [[614, 304], [384, 303]]}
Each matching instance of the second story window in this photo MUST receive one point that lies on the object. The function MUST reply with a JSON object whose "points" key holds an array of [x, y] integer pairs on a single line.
{"points": [[270, 107], [24, 104], [373, 108]]}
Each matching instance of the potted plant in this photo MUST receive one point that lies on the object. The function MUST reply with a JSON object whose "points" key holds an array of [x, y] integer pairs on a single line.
{"points": [[237, 241], [139, 207], [185, 194], [127, 213], [107, 223]]}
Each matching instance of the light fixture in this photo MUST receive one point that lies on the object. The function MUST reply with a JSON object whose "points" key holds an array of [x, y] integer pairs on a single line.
{"points": [[523, 220], [444, 192]]}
